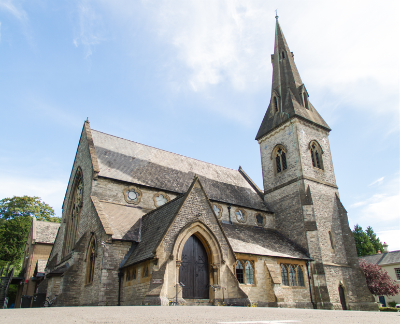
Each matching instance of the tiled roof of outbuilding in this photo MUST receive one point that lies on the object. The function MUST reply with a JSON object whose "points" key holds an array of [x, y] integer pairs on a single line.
{"points": [[154, 226], [261, 241], [383, 258], [144, 165], [46, 232]]}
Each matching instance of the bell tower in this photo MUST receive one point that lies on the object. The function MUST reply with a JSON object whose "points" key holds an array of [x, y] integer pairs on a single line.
{"points": [[300, 187]]}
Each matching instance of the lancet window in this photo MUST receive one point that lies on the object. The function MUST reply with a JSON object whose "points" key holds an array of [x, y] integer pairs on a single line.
{"points": [[74, 212], [275, 103], [245, 272], [90, 261], [292, 275], [316, 155], [280, 159]]}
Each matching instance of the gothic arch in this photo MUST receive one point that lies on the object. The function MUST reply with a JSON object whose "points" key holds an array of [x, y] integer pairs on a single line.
{"points": [[279, 158], [275, 101], [90, 258], [207, 238], [316, 154], [75, 203]]}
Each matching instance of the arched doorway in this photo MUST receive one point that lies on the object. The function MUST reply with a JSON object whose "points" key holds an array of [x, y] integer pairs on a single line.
{"points": [[193, 272], [342, 298]]}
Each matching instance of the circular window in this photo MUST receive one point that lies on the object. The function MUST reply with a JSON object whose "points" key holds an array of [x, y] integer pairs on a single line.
{"points": [[217, 210], [241, 215], [160, 198], [132, 195]]}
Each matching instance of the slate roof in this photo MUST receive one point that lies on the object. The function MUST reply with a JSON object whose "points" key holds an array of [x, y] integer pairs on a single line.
{"points": [[261, 241], [144, 165], [381, 259], [46, 232], [154, 226], [123, 220]]}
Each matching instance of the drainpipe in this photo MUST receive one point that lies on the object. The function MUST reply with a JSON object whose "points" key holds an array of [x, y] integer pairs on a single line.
{"points": [[309, 286], [120, 275]]}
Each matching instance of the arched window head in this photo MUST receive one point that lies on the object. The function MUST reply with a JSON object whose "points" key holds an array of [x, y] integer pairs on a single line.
{"points": [[239, 272], [90, 261], [316, 155], [280, 159], [300, 277], [74, 212], [284, 274], [249, 273], [292, 276]]}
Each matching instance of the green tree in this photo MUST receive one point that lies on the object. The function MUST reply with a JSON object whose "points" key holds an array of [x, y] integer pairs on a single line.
{"points": [[378, 246], [367, 243], [15, 221]]}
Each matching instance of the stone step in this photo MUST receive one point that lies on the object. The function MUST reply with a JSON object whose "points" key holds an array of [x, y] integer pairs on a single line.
{"points": [[198, 302]]}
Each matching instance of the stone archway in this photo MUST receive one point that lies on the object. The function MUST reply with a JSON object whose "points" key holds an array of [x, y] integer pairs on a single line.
{"points": [[203, 237], [342, 297]]}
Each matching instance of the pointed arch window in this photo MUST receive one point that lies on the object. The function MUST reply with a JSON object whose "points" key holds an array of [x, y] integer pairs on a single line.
{"points": [[292, 276], [300, 276], [284, 274], [90, 261], [316, 155], [275, 103], [283, 55], [305, 99], [239, 272], [280, 159], [74, 212], [249, 273]]}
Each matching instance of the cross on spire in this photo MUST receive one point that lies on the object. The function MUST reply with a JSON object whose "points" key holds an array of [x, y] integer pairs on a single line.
{"points": [[276, 14]]}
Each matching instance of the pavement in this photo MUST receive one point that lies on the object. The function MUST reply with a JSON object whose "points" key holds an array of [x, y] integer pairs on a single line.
{"points": [[190, 314]]}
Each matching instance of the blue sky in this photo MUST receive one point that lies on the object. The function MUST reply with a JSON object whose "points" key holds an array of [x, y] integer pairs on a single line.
{"points": [[194, 78]]}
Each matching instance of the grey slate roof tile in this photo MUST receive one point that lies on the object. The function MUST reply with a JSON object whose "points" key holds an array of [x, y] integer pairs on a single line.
{"points": [[144, 165], [46, 231], [154, 225], [386, 258], [261, 241]]}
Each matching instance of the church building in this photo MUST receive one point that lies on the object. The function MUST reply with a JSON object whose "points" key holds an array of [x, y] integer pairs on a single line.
{"points": [[142, 226]]}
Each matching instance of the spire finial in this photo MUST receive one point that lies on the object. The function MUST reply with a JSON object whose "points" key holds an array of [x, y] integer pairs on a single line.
{"points": [[276, 14]]}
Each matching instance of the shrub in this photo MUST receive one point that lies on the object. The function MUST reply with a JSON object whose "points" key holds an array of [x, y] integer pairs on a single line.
{"points": [[388, 309]]}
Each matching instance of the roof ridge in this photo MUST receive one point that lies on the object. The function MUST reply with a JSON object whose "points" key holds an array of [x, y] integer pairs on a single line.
{"points": [[188, 157]]}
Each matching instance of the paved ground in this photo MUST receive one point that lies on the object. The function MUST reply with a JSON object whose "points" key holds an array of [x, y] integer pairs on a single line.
{"points": [[190, 314]]}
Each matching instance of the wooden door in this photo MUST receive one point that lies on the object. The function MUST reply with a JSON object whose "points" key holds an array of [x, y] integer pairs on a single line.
{"points": [[342, 298], [193, 272]]}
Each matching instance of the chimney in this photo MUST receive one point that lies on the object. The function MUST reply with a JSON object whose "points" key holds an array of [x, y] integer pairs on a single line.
{"points": [[385, 247]]}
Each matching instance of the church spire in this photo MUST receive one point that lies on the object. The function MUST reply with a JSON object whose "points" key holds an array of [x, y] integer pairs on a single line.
{"points": [[289, 96]]}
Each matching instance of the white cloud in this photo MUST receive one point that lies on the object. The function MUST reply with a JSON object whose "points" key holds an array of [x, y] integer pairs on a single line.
{"points": [[381, 211], [391, 237], [50, 191], [379, 181], [90, 28], [14, 9]]}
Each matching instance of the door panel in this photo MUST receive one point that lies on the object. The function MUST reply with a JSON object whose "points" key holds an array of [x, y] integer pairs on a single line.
{"points": [[193, 272]]}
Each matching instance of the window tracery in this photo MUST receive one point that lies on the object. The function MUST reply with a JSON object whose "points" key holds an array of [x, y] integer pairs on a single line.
{"points": [[280, 159], [316, 155], [74, 212], [292, 275], [90, 261], [244, 270], [160, 198]]}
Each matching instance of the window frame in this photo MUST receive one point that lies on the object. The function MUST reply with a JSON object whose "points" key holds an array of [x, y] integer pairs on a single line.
{"points": [[243, 263], [91, 254], [316, 152], [287, 280], [282, 158]]}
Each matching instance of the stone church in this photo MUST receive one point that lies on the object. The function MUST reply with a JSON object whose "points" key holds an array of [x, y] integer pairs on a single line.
{"points": [[142, 226]]}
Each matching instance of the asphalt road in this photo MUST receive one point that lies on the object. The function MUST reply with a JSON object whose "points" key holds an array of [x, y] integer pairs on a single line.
{"points": [[190, 314]]}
